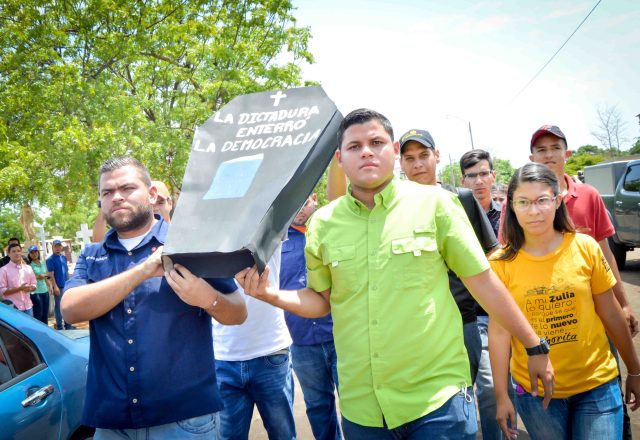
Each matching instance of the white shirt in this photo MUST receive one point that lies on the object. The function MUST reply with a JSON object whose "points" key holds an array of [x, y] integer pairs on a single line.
{"points": [[264, 332]]}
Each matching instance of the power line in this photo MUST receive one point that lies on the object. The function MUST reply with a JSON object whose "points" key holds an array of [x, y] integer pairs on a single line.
{"points": [[556, 53]]}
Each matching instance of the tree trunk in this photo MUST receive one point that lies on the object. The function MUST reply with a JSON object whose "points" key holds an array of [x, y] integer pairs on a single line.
{"points": [[26, 220]]}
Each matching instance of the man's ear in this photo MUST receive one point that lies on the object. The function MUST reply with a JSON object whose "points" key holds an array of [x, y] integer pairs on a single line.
{"points": [[153, 194], [568, 154], [339, 156], [396, 148], [436, 153]]}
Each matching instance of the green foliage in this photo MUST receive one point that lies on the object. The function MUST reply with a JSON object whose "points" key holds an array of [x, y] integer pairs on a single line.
{"points": [[589, 149], [584, 156], [504, 170], [635, 149], [450, 174], [83, 81], [10, 226], [321, 189]]}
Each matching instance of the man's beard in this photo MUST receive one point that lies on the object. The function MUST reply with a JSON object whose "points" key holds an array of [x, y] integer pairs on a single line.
{"points": [[136, 218]]}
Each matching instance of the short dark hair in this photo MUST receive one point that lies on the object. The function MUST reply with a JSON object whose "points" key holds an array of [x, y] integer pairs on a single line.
{"points": [[512, 232], [13, 239], [473, 157], [12, 245], [362, 116], [123, 161]]}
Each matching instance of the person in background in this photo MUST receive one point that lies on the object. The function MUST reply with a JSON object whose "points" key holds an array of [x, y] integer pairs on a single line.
{"points": [[17, 280], [499, 193], [58, 266], [313, 353], [563, 284], [253, 366], [40, 296], [5, 260], [418, 160]]}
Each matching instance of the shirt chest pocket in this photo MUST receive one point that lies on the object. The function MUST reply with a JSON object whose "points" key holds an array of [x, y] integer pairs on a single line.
{"points": [[98, 271], [342, 262], [415, 255]]}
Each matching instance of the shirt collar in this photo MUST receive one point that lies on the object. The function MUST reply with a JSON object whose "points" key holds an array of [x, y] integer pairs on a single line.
{"points": [[495, 206], [17, 266], [157, 232], [384, 197], [571, 186]]}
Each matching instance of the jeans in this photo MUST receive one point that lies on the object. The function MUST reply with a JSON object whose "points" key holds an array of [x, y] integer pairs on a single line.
{"points": [[58, 313], [593, 415], [473, 344], [41, 307], [484, 388], [205, 427], [315, 367], [456, 419], [267, 382]]}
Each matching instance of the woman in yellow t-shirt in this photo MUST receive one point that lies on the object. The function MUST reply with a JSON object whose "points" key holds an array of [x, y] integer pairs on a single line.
{"points": [[562, 283]]}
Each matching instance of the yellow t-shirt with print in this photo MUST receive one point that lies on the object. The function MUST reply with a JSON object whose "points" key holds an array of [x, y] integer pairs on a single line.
{"points": [[555, 293]]}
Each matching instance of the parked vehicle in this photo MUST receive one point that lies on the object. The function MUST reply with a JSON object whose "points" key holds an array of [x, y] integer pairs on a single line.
{"points": [[43, 377], [619, 185]]}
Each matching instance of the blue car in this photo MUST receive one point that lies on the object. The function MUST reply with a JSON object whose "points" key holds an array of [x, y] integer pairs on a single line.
{"points": [[43, 376]]}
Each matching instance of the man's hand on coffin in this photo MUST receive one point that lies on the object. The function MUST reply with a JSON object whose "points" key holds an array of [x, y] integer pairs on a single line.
{"points": [[257, 285], [152, 266], [191, 289]]}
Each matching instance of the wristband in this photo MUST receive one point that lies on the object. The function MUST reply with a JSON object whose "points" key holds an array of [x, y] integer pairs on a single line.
{"points": [[633, 375]]}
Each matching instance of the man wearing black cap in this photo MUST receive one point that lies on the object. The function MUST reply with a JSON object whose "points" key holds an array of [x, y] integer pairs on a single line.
{"points": [[418, 160]]}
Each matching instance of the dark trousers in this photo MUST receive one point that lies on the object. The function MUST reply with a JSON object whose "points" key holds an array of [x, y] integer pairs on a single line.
{"points": [[41, 306]]}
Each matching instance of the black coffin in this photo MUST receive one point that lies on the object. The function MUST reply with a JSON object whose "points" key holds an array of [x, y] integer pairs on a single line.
{"points": [[251, 167]]}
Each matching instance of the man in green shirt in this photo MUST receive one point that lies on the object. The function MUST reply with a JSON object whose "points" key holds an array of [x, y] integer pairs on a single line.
{"points": [[377, 259]]}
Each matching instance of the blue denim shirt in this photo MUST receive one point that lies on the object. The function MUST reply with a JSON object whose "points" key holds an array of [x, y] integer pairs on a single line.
{"points": [[151, 360], [58, 265], [293, 276]]}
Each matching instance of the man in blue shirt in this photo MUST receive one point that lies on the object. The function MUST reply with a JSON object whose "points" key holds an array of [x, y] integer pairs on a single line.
{"points": [[312, 353], [150, 372], [57, 263]]}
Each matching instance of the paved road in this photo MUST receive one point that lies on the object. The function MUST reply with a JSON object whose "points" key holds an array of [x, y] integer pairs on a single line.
{"points": [[631, 279]]}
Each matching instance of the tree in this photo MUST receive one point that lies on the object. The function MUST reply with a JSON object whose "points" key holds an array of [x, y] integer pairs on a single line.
{"points": [[584, 156], [635, 149], [9, 226], [611, 129], [504, 170], [450, 174], [82, 81]]}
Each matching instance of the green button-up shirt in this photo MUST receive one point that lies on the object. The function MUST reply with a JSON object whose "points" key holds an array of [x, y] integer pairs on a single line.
{"points": [[397, 330]]}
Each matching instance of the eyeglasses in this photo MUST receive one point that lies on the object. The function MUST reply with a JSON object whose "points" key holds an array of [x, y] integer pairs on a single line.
{"points": [[482, 174], [541, 203]]}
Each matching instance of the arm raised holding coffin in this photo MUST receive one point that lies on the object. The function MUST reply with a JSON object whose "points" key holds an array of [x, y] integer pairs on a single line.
{"points": [[303, 302]]}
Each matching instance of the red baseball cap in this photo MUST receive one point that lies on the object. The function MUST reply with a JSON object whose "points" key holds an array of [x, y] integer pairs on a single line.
{"points": [[547, 129]]}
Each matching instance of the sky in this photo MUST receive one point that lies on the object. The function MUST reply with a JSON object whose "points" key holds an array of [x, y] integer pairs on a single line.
{"points": [[438, 65]]}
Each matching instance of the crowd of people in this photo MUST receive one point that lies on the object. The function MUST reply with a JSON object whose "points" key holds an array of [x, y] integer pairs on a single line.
{"points": [[411, 300]]}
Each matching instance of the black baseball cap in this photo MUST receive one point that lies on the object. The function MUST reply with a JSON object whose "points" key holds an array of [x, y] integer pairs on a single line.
{"points": [[421, 136], [547, 129]]}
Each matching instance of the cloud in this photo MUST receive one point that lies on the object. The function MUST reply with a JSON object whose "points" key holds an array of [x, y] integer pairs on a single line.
{"points": [[569, 11]]}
